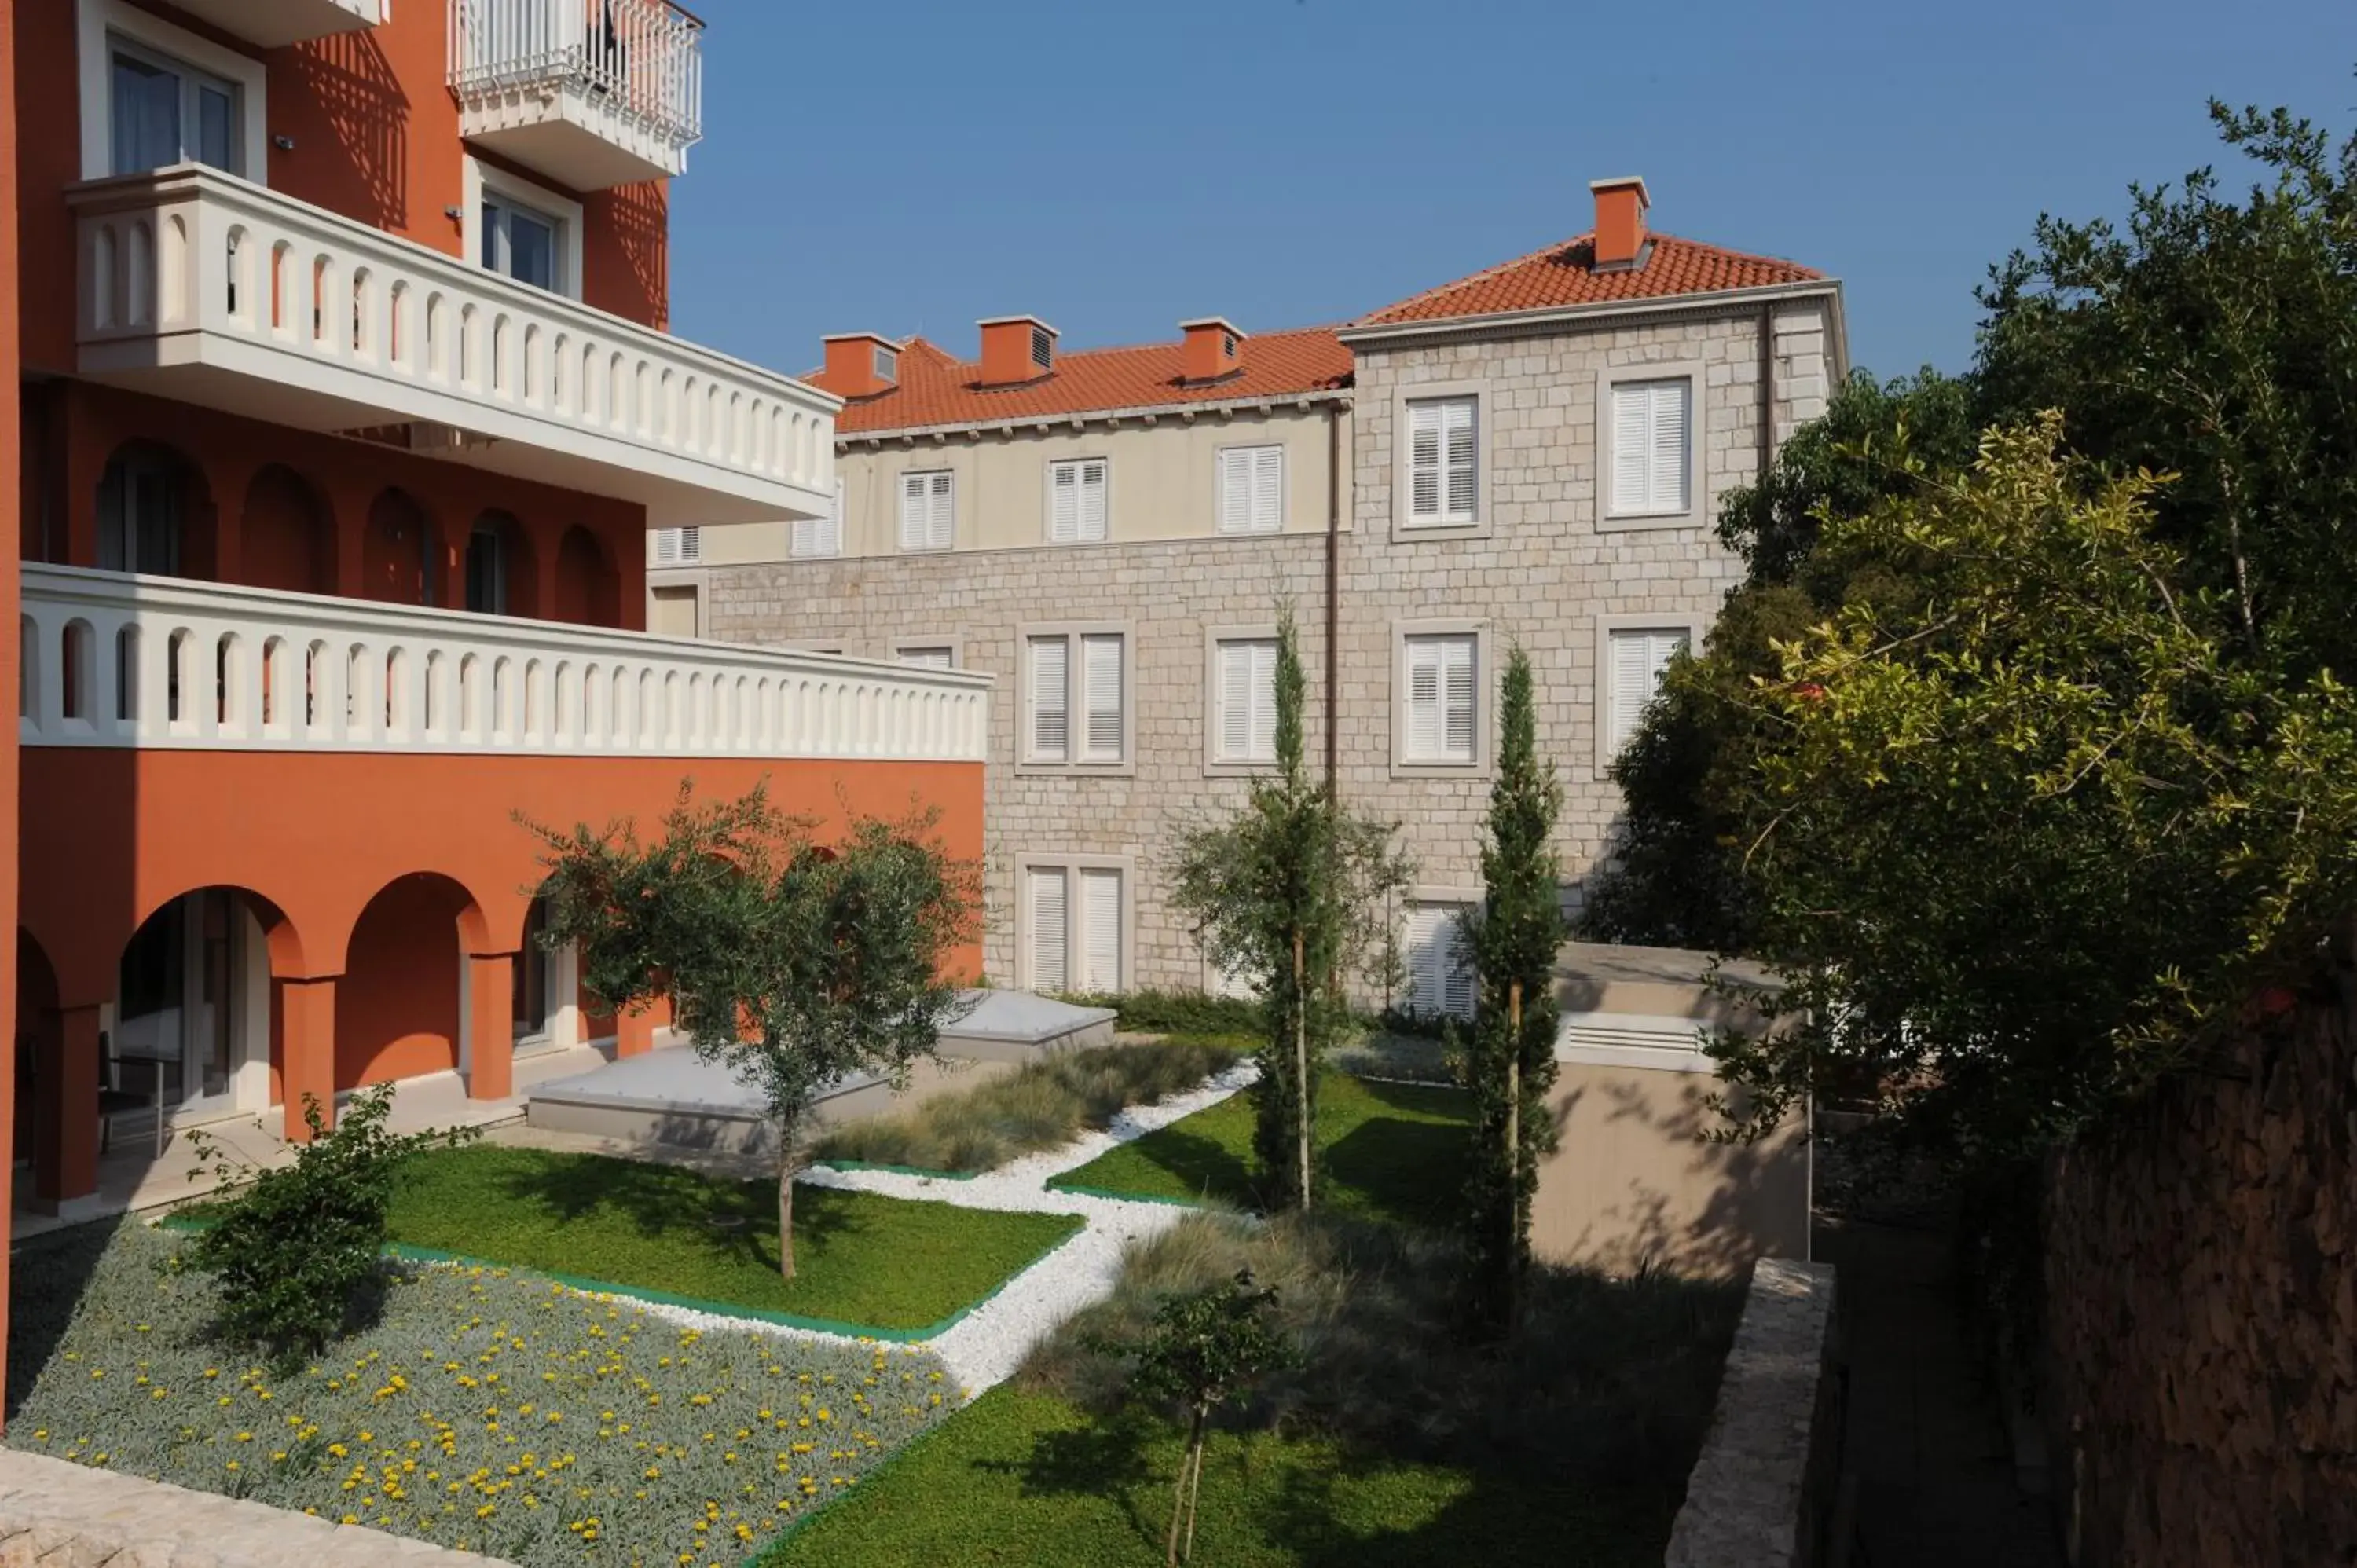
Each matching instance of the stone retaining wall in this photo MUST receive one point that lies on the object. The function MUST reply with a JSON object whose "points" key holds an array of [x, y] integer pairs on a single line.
{"points": [[71, 1516], [1759, 1491]]}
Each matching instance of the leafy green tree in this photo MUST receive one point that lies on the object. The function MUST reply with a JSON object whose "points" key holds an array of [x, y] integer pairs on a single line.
{"points": [[1508, 1052], [794, 963], [299, 1249], [1295, 892], [1206, 1347]]}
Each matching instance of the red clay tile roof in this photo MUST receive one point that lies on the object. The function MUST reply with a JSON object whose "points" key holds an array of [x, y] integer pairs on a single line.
{"points": [[935, 388], [1560, 276]]}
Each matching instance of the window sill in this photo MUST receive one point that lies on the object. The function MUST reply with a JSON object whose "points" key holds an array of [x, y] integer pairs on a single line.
{"points": [[1214, 768], [1122, 769], [1631, 523], [1406, 532], [1404, 767]]}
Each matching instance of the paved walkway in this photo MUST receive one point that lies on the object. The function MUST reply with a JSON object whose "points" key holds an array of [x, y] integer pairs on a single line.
{"points": [[1934, 1468]]}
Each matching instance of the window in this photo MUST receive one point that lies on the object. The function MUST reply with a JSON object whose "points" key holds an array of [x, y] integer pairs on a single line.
{"points": [[887, 363], [1076, 500], [1652, 448], [487, 570], [1244, 702], [1439, 969], [1639, 655], [928, 509], [1076, 701], [1252, 489], [139, 515], [1440, 710], [522, 244], [678, 546], [1074, 927], [163, 111], [1444, 485], [819, 536], [936, 656]]}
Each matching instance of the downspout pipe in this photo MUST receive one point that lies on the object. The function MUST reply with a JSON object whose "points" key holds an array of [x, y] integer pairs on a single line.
{"points": [[1334, 413]]}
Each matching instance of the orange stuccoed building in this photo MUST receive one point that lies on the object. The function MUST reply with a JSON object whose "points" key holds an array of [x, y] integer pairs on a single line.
{"points": [[348, 404]]}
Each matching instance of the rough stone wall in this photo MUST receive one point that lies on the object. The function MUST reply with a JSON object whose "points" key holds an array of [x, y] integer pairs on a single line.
{"points": [[2201, 1311]]}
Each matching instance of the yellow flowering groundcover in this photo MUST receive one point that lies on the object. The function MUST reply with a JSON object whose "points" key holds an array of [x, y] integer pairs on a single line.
{"points": [[484, 1409]]}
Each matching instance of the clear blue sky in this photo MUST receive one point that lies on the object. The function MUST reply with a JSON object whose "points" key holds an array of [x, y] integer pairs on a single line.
{"points": [[1117, 166]]}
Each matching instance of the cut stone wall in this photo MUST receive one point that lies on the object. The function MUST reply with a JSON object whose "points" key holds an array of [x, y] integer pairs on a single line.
{"points": [[2202, 1310], [53, 1512], [1758, 1490]]}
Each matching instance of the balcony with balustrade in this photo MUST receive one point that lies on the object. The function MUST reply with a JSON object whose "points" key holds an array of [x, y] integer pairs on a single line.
{"points": [[592, 93], [275, 24], [200, 286]]}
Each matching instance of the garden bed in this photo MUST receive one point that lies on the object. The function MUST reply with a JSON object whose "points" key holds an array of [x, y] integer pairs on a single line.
{"points": [[1392, 1151], [485, 1409], [862, 1262]]}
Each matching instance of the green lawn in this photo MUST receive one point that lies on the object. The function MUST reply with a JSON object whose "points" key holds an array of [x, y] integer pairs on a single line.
{"points": [[1392, 1151], [1022, 1477], [875, 1263]]}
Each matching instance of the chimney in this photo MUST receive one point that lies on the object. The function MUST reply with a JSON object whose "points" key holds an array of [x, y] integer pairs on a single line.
{"points": [[1016, 349], [1213, 348], [860, 364], [1619, 224]]}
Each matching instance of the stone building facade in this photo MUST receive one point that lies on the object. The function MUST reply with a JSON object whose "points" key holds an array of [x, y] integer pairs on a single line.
{"points": [[1513, 520]]}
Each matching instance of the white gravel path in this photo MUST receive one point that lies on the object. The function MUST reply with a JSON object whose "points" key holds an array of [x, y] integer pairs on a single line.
{"points": [[984, 1348]]}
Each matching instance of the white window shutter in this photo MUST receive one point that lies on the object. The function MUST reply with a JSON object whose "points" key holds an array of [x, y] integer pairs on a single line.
{"points": [[930, 658], [1464, 485], [1638, 657], [1632, 448], [941, 513], [690, 544], [1252, 489], [1458, 695], [1063, 504], [912, 511], [1458, 980], [1669, 440], [1268, 490], [1263, 702], [1423, 959], [666, 546], [1100, 929], [1423, 722], [1653, 446], [1050, 930], [1235, 700], [1092, 500], [1101, 678], [820, 535], [1236, 491], [1051, 698], [1424, 460]]}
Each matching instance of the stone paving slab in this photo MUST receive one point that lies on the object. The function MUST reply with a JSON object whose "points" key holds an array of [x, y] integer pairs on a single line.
{"points": [[55, 1514]]}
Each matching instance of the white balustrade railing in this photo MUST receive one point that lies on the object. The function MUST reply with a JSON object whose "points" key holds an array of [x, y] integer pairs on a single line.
{"points": [[111, 659], [189, 250], [639, 56]]}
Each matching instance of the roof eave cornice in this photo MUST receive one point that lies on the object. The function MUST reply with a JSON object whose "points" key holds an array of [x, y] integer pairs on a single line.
{"points": [[1193, 409], [1510, 323]]}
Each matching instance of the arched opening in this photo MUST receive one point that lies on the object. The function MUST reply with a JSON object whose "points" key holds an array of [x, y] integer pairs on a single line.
{"points": [[187, 1033], [398, 1007], [400, 555], [154, 514], [587, 588], [287, 538], [501, 576], [551, 1012]]}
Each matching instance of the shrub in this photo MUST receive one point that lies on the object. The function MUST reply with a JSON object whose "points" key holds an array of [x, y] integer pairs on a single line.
{"points": [[1603, 1384], [1176, 1012], [299, 1251], [1040, 1105]]}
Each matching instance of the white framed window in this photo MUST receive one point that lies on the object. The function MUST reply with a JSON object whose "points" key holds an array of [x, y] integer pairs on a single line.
{"points": [[1638, 656], [928, 655], [678, 546], [817, 536], [1245, 700], [1438, 959], [1444, 472], [1076, 499], [1441, 709], [1252, 489], [1076, 927], [928, 509], [522, 230], [153, 94], [1652, 447], [1076, 697], [887, 363]]}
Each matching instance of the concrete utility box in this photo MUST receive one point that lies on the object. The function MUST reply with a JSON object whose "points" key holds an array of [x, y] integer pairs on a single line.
{"points": [[1635, 1179]]}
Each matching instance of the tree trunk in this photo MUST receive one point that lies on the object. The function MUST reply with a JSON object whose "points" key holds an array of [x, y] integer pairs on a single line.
{"points": [[1301, 1062], [1514, 1153], [1181, 1510], [1194, 1487], [789, 1152]]}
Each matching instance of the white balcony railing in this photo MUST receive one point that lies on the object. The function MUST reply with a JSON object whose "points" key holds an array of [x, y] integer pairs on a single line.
{"points": [[114, 660], [204, 286], [549, 80]]}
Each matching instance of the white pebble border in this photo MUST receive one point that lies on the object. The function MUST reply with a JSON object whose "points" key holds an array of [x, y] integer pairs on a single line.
{"points": [[984, 1348]]}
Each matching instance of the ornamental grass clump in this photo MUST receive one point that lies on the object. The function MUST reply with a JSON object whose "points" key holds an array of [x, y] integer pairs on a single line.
{"points": [[1040, 1105], [298, 1252], [486, 1410]]}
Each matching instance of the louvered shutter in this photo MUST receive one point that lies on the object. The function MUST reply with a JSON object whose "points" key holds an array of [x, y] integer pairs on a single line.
{"points": [[1049, 934], [1424, 460], [913, 510], [1669, 439], [1092, 500], [1236, 491], [1652, 446], [666, 546], [1235, 702], [1423, 959], [1632, 448], [1638, 657], [1457, 426], [1100, 929], [1063, 504], [1051, 698], [1441, 709], [820, 535], [927, 513], [1101, 681], [1263, 691], [930, 658], [1424, 721], [1457, 694], [941, 513], [1457, 978], [1252, 489], [1268, 490]]}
